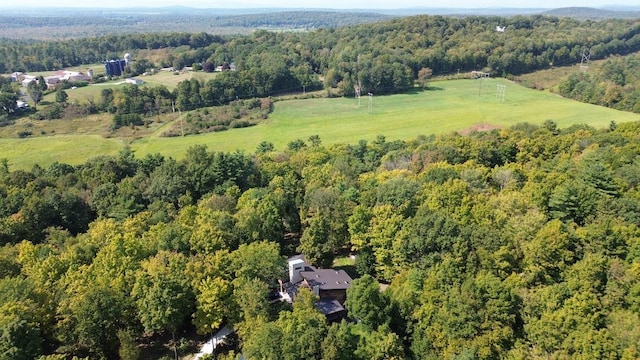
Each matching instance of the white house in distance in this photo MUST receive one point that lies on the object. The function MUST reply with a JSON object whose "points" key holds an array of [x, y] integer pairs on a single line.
{"points": [[134, 81], [21, 105], [72, 76], [28, 79], [17, 76], [226, 66]]}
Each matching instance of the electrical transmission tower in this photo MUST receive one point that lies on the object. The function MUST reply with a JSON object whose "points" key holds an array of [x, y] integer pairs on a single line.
{"points": [[500, 89], [584, 63], [480, 76]]}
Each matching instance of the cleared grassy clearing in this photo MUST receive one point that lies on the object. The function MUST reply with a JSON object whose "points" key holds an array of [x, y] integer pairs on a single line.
{"points": [[91, 91], [71, 149], [171, 80], [548, 79], [98, 68], [92, 125], [448, 106]]}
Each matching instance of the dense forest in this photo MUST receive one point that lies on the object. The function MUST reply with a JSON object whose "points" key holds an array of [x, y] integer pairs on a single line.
{"points": [[441, 43], [515, 243]]}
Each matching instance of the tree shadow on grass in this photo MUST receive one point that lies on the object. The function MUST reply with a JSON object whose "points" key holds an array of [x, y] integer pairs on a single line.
{"points": [[418, 90], [349, 269]]}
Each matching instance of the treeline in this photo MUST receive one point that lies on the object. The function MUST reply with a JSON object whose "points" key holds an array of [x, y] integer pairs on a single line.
{"points": [[248, 93], [16, 21], [615, 84], [513, 243], [444, 44], [55, 55]]}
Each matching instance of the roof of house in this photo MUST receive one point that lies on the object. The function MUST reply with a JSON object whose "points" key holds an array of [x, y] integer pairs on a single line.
{"points": [[133, 81], [329, 306], [296, 257], [54, 79], [327, 279]]}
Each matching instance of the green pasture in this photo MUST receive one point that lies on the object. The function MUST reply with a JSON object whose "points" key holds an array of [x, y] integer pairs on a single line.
{"points": [[98, 68], [447, 106], [91, 91], [171, 80], [71, 149]]}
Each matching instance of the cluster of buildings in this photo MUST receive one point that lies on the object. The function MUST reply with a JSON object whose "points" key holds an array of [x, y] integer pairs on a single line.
{"points": [[225, 67], [53, 80], [112, 68]]}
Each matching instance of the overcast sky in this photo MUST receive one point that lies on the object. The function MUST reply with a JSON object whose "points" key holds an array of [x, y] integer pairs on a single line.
{"points": [[333, 4]]}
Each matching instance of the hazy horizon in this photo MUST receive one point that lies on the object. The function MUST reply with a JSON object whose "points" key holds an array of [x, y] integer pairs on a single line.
{"points": [[318, 4]]}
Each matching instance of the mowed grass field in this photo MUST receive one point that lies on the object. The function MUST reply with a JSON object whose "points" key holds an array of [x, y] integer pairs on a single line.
{"points": [[171, 80], [70, 149], [448, 106]]}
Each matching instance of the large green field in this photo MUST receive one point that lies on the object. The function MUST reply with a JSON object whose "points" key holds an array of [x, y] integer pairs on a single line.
{"points": [[25, 153], [447, 106], [171, 79]]}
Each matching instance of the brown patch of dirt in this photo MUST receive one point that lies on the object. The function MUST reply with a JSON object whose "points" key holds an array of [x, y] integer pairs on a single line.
{"points": [[478, 127]]}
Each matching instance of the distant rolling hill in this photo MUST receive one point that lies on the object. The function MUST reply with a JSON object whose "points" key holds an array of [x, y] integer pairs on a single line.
{"points": [[66, 23], [78, 23], [301, 19], [588, 13]]}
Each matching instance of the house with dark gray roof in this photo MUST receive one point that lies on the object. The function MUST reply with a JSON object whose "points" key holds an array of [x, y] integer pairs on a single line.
{"points": [[329, 285]]}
